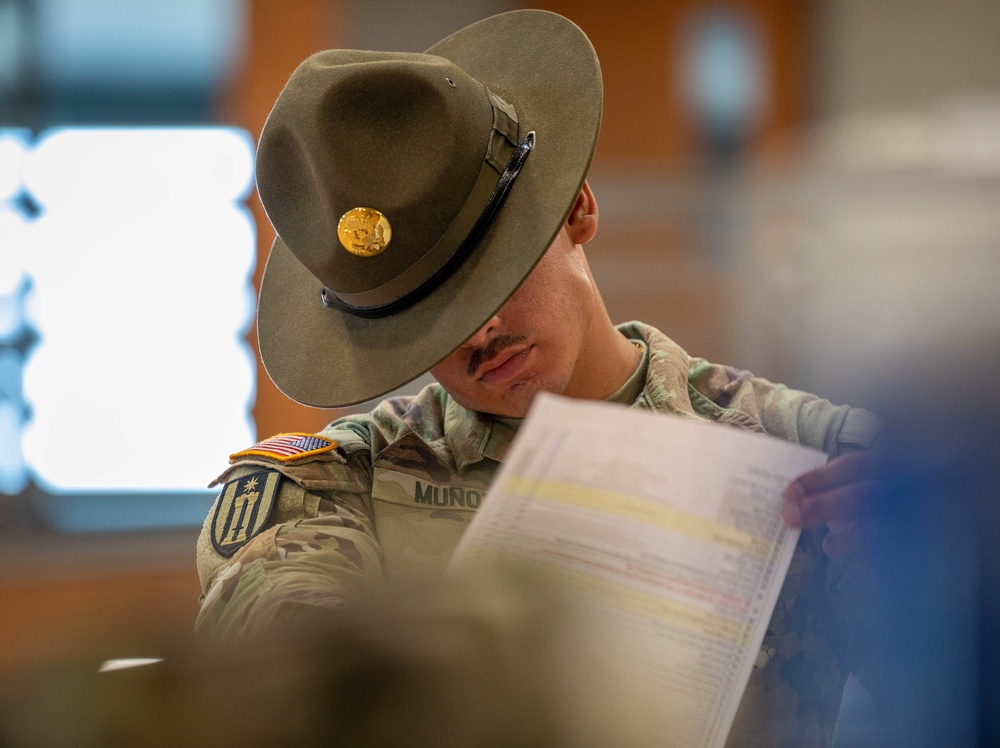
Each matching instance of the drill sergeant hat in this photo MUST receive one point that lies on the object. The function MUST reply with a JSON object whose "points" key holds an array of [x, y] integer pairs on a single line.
{"points": [[411, 195]]}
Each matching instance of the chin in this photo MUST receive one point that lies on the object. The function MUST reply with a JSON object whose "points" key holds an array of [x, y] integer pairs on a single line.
{"points": [[520, 396], [513, 402]]}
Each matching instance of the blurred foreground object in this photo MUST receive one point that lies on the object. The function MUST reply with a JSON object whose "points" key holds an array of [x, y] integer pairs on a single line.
{"points": [[503, 662], [935, 565]]}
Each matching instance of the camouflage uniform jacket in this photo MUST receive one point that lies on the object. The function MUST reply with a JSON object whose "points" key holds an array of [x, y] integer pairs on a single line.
{"points": [[407, 477]]}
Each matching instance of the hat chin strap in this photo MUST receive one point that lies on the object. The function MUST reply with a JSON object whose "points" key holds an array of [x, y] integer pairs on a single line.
{"points": [[475, 235]]}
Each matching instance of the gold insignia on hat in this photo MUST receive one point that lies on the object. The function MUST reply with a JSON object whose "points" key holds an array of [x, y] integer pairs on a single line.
{"points": [[364, 232]]}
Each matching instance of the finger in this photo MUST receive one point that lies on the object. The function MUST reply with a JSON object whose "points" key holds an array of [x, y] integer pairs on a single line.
{"points": [[845, 503], [848, 468]]}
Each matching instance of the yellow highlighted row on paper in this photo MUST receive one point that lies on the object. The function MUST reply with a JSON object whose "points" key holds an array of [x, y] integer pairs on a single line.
{"points": [[618, 596], [641, 510], [668, 612]]}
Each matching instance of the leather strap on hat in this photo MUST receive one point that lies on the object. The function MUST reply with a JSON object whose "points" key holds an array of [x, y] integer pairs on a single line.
{"points": [[459, 239]]}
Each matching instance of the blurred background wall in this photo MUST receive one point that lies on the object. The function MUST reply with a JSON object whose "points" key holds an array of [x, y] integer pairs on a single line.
{"points": [[798, 187]]}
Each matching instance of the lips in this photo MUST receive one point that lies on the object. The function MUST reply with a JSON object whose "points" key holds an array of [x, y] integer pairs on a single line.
{"points": [[504, 367]]}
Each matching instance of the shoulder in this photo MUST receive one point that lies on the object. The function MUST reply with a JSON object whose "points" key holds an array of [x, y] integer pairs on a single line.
{"points": [[780, 410], [422, 414], [340, 456]]}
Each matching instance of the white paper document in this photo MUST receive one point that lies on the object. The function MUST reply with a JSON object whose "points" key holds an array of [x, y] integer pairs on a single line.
{"points": [[670, 527]]}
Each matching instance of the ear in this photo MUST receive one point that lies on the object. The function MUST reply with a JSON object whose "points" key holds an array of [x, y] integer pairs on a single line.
{"points": [[582, 221]]}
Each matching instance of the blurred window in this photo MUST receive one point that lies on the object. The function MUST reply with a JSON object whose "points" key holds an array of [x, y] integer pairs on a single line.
{"points": [[125, 299]]}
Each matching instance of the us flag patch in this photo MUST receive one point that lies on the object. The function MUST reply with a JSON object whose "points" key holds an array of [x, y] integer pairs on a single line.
{"points": [[289, 447]]}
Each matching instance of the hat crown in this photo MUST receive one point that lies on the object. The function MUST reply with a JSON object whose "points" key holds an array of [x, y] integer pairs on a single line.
{"points": [[403, 133]]}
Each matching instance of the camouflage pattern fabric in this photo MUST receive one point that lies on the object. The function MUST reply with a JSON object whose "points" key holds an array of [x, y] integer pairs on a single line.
{"points": [[392, 501]]}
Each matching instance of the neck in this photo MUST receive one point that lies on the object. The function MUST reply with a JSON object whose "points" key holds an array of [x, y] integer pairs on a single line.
{"points": [[606, 361]]}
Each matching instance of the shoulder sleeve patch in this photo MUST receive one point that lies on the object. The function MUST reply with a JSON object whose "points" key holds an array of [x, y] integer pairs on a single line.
{"points": [[289, 447], [243, 509]]}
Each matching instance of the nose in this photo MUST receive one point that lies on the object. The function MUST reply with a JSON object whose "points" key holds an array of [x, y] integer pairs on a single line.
{"points": [[483, 335]]}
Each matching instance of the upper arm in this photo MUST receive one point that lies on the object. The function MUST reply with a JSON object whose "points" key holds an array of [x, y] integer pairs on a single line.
{"points": [[316, 548]]}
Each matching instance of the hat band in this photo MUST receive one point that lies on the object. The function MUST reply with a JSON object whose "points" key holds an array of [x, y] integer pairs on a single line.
{"points": [[482, 224]]}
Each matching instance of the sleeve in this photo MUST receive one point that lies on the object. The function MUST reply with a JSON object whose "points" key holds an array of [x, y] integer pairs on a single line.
{"points": [[315, 551], [737, 397]]}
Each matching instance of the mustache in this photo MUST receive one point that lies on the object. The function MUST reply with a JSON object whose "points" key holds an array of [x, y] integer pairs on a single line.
{"points": [[490, 350]]}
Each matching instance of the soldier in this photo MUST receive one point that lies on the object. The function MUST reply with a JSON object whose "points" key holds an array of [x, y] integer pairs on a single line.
{"points": [[471, 160]]}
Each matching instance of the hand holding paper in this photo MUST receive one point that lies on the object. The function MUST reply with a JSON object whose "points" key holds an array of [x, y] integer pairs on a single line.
{"points": [[838, 494]]}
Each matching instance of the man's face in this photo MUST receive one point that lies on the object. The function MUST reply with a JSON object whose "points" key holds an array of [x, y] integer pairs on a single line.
{"points": [[532, 344]]}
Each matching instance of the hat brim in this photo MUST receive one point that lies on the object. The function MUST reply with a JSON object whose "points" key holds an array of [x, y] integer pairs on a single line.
{"points": [[546, 67]]}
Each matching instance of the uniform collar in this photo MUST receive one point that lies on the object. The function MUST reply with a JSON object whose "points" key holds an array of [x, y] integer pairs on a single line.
{"points": [[471, 436], [666, 387]]}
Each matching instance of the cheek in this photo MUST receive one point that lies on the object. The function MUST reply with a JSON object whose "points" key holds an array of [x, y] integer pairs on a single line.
{"points": [[448, 374]]}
